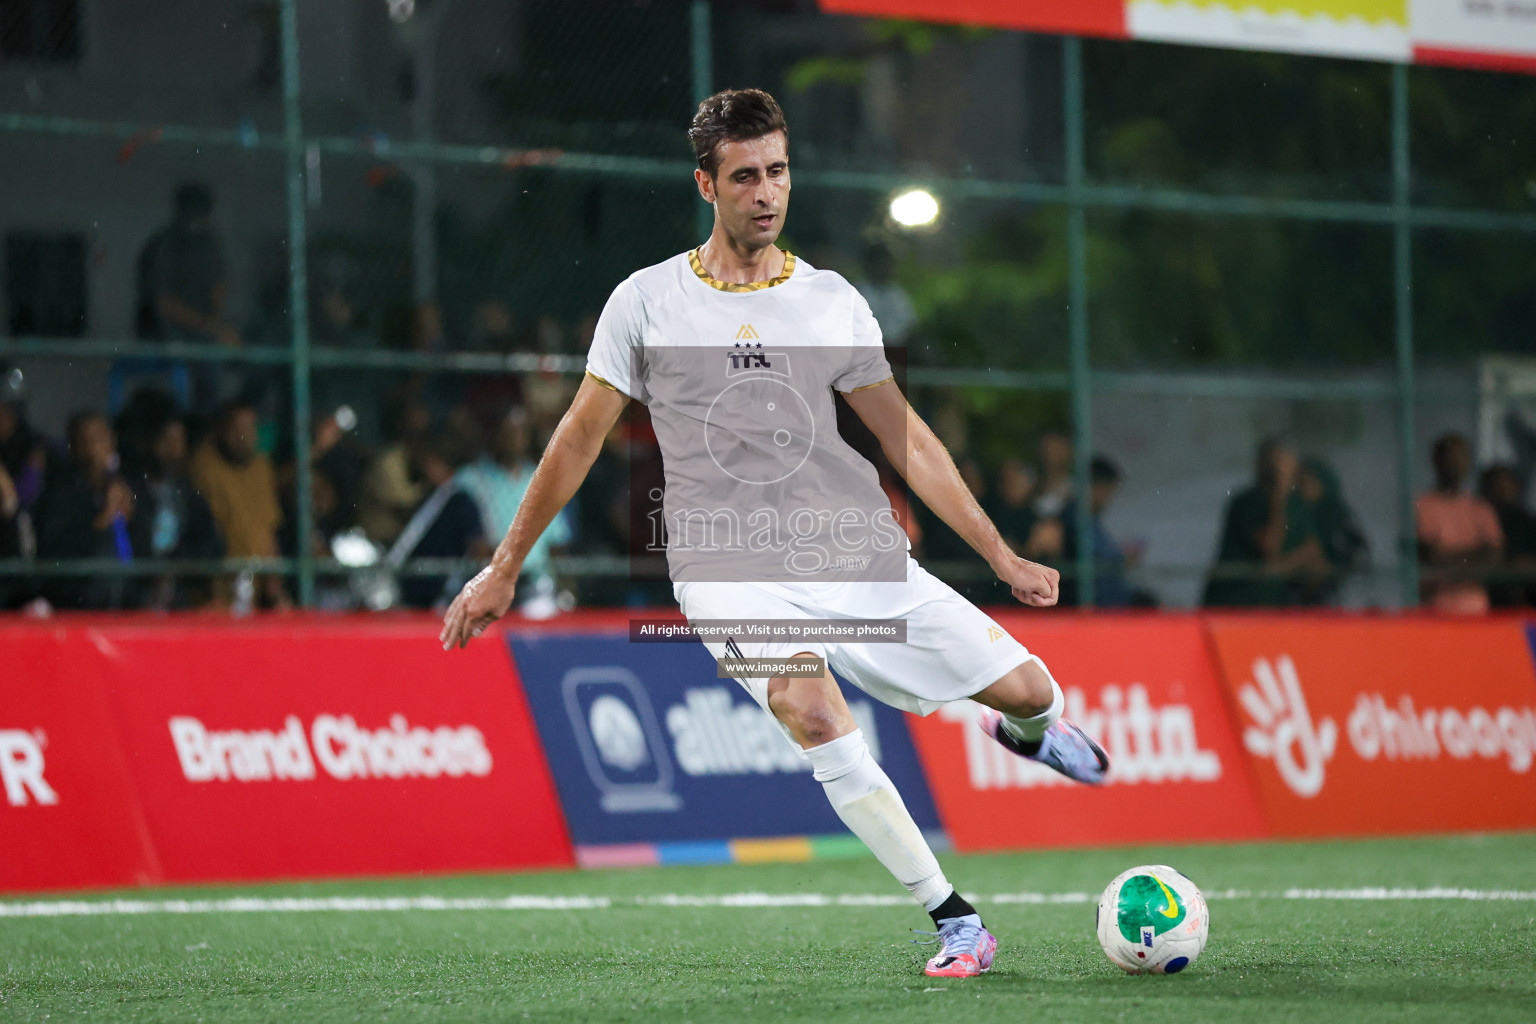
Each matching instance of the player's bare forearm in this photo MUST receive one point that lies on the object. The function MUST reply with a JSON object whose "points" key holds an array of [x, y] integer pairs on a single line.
{"points": [[572, 449], [568, 457], [554, 482], [924, 463], [934, 478]]}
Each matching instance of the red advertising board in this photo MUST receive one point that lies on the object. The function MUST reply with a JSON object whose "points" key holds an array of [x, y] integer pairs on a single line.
{"points": [[1083, 17], [294, 749], [68, 813], [1383, 725], [1144, 688], [136, 750], [1491, 36]]}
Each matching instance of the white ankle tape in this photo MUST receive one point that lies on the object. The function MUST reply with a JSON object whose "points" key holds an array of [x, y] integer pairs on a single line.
{"points": [[932, 892], [831, 761]]}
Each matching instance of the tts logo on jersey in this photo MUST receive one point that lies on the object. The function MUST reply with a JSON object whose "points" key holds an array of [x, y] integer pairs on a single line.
{"points": [[747, 359]]}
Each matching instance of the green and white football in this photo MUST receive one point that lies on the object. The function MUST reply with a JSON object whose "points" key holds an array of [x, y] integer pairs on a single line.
{"points": [[1152, 920]]}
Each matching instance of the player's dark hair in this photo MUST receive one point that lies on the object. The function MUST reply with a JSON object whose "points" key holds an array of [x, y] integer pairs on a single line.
{"points": [[732, 115]]}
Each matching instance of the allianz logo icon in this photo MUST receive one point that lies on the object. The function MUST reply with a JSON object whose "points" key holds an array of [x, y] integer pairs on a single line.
{"points": [[634, 762]]}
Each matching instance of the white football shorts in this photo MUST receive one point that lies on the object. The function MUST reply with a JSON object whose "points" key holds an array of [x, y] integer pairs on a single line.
{"points": [[953, 648]]}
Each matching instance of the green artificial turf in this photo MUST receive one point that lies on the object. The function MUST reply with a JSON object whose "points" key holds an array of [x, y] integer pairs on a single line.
{"points": [[1269, 958]]}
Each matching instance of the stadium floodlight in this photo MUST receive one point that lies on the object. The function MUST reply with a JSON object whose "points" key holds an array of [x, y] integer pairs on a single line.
{"points": [[914, 208]]}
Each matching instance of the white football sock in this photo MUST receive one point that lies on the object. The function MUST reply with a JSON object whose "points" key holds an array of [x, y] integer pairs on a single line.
{"points": [[866, 799], [1032, 729]]}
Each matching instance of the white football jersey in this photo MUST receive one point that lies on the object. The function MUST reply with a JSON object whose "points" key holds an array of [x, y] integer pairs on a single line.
{"points": [[676, 302], [739, 380]]}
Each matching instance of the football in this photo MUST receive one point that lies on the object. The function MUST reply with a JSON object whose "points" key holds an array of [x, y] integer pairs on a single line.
{"points": [[1152, 920]]}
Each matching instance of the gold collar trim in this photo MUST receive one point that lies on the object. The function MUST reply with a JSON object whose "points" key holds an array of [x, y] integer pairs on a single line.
{"points": [[732, 286]]}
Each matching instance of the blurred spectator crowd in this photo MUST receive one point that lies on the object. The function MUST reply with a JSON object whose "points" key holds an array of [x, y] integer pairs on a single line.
{"points": [[196, 464], [157, 483], [193, 462]]}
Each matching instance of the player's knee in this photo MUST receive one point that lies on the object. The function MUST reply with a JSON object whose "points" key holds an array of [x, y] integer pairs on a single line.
{"points": [[1026, 691], [810, 718], [818, 727], [815, 724]]}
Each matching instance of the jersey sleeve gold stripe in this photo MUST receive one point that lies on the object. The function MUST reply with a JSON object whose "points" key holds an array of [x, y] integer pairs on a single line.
{"points": [[866, 387]]}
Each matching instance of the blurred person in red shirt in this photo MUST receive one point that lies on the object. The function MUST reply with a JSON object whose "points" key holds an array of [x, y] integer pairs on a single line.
{"points": [[1459, 534]]}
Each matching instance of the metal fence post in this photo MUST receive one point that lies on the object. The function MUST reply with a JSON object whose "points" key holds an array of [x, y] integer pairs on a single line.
{"points": [[1402, 258], [298, 296], [1077, 305], [700, 34]]}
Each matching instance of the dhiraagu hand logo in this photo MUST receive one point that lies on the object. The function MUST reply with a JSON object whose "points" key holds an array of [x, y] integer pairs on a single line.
{"points": [[1145, 902]]}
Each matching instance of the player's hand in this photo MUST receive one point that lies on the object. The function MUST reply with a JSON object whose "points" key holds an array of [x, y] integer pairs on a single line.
{"points": [[483, 600], [1035, 585]]}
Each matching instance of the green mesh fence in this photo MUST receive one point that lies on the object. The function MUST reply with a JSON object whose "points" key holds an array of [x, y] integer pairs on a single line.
{"points": [[1163, 254]]}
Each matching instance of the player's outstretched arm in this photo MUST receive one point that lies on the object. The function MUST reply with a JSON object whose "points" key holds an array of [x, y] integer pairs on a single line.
{"points": [[922, 460], [572, 449]]}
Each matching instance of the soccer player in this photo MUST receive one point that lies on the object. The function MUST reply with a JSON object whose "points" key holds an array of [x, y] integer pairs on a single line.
{"points": [[740, 431]]}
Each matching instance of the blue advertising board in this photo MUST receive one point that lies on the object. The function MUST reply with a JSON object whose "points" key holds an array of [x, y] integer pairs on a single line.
{"points": [[647, 746]]}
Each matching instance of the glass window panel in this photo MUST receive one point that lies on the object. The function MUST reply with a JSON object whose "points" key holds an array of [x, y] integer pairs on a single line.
{"points": [[512, 260], [1473, 293], [213, 65], [1237, 121], [900, 97], [1472, 143], [1171, 290], [116, 202], [609, 78]]}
